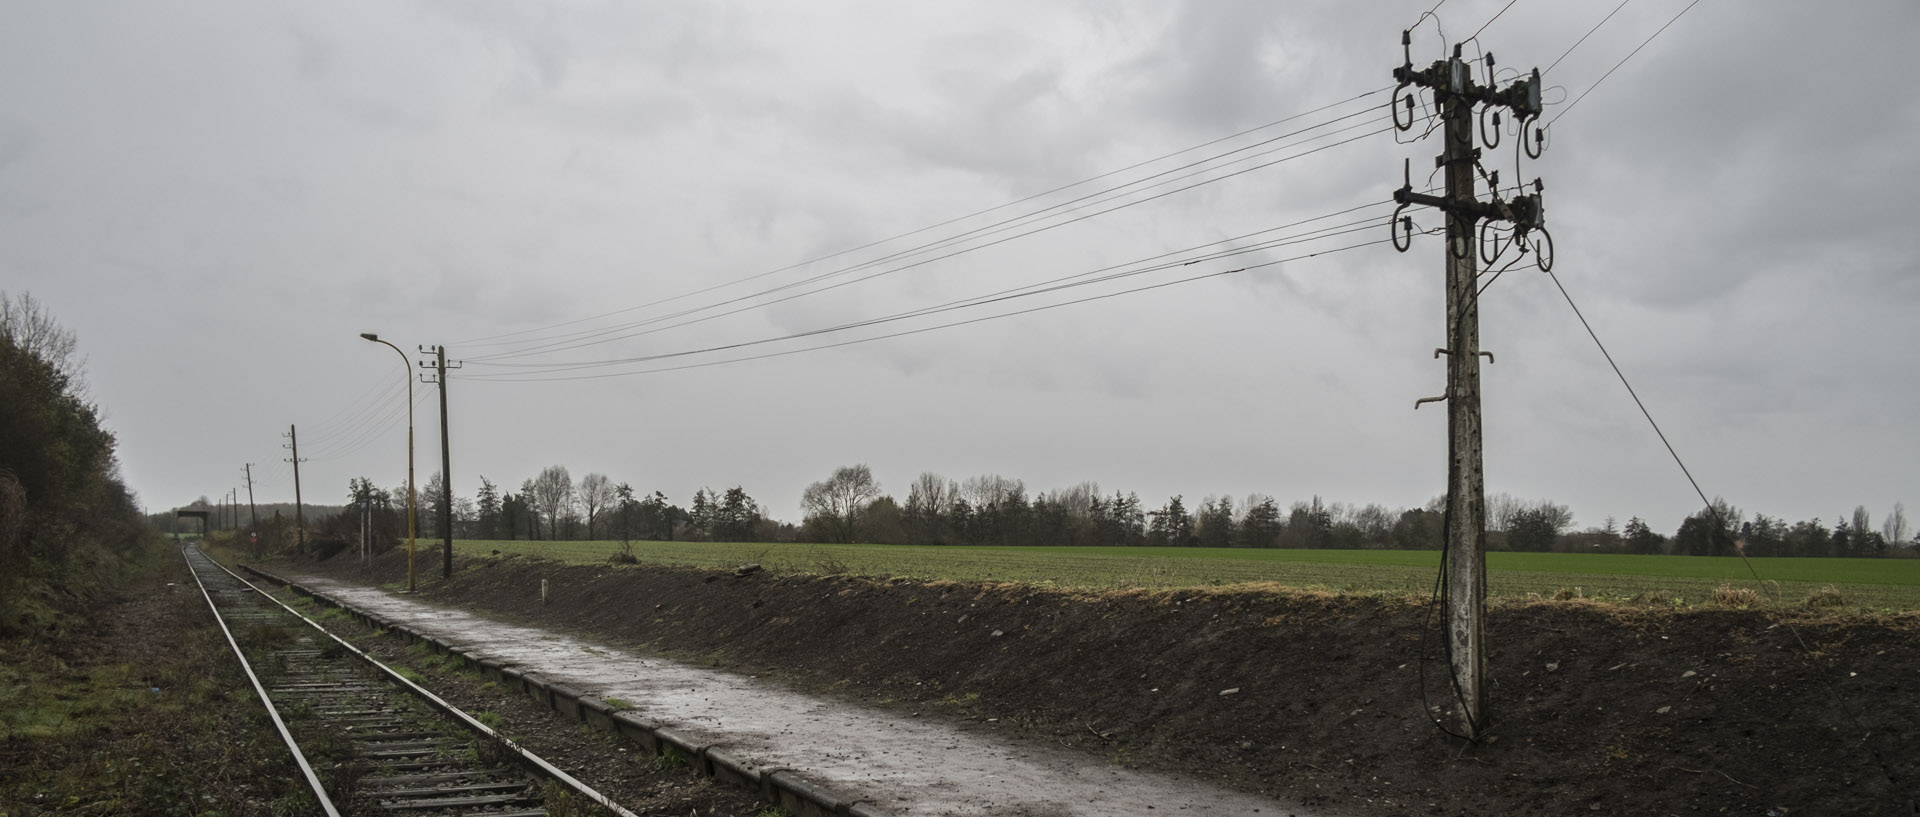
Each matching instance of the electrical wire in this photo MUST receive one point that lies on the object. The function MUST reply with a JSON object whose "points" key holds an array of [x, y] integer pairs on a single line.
{"points": [[370, 432], [579, 340], [481, 341], [920, 330], [373, 386], [323, 434], [1623, 61], [1053, 284], [1583, 37], [998, 295], [1041, 288], [1496, 16], [601, 337], [1428, 13]]}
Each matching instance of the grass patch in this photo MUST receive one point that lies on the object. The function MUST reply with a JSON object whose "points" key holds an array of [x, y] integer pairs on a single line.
{"points": [[671, 758], [1872, 583], [158, 727]]}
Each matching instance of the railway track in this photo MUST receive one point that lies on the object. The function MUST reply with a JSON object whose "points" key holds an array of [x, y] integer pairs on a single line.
{"points": [[368, 740]]}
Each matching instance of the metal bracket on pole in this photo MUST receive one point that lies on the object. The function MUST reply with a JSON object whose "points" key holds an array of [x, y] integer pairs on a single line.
{"points": [[1483, 353]]}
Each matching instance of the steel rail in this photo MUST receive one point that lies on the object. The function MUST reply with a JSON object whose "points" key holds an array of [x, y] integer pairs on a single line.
{"points": [[534, 762], [299, 757]]}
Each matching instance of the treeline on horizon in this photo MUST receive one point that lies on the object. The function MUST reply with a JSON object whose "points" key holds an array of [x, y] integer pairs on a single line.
{"points": [[851, 506]]}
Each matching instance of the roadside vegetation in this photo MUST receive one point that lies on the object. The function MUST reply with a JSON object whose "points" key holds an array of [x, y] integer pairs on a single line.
{"points": [[117, 696]]}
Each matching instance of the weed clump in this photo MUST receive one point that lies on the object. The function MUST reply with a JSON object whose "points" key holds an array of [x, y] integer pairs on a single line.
{"points": [[1727, 595], [1828, 596]]}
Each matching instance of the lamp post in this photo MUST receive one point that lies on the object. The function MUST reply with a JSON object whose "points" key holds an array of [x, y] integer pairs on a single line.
{"points": [[407, 366]]}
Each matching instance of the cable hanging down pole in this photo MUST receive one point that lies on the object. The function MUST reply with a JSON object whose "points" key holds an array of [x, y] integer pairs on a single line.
{"points": [[1469, 223]]}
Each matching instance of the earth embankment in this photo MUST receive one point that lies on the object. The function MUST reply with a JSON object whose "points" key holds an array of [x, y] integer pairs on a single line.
{"points": [[1314, 698]]}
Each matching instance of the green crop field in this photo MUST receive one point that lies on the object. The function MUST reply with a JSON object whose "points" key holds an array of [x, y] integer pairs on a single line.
{"points": [[1877, 583]]}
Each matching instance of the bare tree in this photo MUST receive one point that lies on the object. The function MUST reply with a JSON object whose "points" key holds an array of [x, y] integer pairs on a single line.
{"points": [[1862, 531], [596, 494], [929, 495], [989, 490], [430, 498], [1501, 509], [552, 496], [1078, 499], [839, 498], [1895, 528], [33, 329]]}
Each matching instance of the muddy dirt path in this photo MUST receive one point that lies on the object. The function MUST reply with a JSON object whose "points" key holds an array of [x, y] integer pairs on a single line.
{"points": [[905, 765]]}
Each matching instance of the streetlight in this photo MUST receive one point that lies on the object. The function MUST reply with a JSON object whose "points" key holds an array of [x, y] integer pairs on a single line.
{"points": [[407, 366]]}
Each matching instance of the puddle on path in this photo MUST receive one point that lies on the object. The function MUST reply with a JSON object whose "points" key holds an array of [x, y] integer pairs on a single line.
{"points": [[904, 765]]}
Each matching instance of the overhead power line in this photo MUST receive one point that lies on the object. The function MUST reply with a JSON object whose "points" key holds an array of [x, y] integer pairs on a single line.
{"points": [[1583, 37], [484, 340], [1616, 66], [352, 423], [1496, 16], [369, 431], [967, 322], [1113, 272], [635, 329]]}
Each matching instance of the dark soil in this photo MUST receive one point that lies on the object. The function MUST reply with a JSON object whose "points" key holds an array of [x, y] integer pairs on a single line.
{"points": [[1313, 698]]}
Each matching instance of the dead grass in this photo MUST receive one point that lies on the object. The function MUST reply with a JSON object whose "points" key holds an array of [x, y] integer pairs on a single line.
{"points": [[1742, 598], [1828, 596]]}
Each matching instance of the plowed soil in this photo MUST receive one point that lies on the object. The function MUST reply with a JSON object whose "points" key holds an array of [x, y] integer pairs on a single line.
{"points": [[1314, 698]]}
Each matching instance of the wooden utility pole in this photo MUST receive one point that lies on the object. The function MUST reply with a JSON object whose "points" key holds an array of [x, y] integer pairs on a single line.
{"points": [[1469, 222], [299, 509], [446, 467]]}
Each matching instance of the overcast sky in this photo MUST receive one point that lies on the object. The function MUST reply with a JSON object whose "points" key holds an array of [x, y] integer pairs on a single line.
{"points": [[218, 196]]}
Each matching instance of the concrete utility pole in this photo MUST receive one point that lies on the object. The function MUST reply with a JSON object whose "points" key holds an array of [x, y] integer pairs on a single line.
{"points": [[299, 509], [446, 463], [1468, 224], [253, 515], [1466, 561]]}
